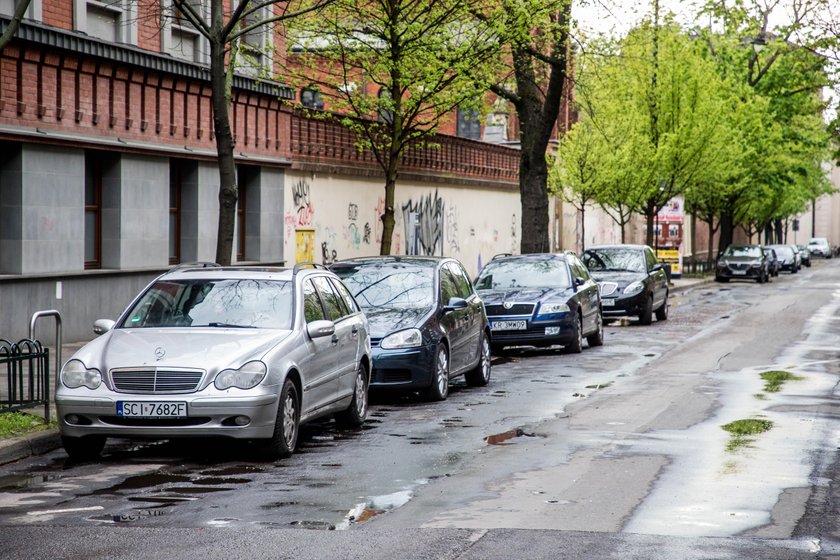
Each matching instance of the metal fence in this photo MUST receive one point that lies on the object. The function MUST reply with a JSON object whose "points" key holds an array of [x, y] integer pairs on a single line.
{"points": [[24, 376]]}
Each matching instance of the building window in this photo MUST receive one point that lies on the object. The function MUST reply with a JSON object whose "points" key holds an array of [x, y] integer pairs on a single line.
{"points": [[93, 211], [34, 11], [312, 98], [176, 181], [469, 123], [386, 112], [180, 37], [255, 45], [111, 20]]}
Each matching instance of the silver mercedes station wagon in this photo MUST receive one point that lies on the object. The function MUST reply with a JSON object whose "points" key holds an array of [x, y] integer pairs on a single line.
{"points": [[247, 353]]}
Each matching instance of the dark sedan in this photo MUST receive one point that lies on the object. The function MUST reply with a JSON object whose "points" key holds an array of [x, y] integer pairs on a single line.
{"points": [[744, 262], [789, 258], [632, 280], [773, 263], [427, 324], [541, 299]]}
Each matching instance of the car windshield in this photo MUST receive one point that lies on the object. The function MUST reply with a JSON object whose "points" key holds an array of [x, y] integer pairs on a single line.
{"points": [[243, 303], [742, 251], [615, 259], [784, 251], [389, 285], [522, 273]]}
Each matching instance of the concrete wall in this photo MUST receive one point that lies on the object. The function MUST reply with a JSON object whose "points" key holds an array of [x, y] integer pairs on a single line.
{"points": [[335, 217]]}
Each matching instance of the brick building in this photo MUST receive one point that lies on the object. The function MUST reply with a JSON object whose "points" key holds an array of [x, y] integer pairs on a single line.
{"points": [[108, 172]]}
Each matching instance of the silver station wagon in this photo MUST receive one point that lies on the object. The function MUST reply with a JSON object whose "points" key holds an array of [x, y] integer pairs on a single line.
{"points": [[247, 353]]}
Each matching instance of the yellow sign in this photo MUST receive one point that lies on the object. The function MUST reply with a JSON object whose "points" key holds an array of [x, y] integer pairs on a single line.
{"points": [[672, 257], [304, 245]]}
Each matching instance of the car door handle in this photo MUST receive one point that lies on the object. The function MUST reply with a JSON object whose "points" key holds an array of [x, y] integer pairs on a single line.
{"points": [[355, 331], [334, 340]]}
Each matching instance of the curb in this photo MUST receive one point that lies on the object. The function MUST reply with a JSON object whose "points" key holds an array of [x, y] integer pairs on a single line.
{"points": [[15, 449]]}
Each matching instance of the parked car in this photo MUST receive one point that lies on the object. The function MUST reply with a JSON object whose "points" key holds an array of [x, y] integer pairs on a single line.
{"points": [[789, 258], [804, 255], [820, 247], [632, 281], [246, 353], [427, 323], [541, 299], [773, 263], [743, 262]]}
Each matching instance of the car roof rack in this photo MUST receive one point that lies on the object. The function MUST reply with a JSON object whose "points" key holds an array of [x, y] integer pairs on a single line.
{"points": [[500, 255], [196, 264], [307, 264]]}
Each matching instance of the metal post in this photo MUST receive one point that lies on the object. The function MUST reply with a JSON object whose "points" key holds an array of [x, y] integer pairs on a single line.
{"points": [[35, 317]]}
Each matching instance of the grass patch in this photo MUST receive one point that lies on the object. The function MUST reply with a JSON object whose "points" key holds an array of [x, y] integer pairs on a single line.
{"points": [[773, 380], [599, 385], [741, 430], [21, 423]]}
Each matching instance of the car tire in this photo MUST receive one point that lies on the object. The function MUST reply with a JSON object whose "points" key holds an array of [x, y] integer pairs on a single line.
{"points": [[479, 376], [646, 316], [662, 312], [356, 413], [597, 338], [85, 448], [576, 345], [439, 389], [286, 428], [760, 279]]}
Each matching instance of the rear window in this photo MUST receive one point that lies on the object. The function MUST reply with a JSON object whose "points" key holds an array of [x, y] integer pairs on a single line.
{"points": [[390, 285]]}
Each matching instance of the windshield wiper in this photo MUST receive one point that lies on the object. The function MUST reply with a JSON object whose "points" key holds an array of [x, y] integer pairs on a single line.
{"points": [[230, 325]]}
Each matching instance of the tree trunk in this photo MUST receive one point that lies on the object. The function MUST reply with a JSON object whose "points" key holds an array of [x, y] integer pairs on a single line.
{"points": [[14, 24], [727, 226], [583, 228], [533, 182], [388, 220], [224, 151], [710, 255]]}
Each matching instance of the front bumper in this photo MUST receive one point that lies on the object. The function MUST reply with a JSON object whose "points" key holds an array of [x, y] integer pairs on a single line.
{"points": [[750, 273], [404, 369], [206, 416], [556, 329], [622, 305]]}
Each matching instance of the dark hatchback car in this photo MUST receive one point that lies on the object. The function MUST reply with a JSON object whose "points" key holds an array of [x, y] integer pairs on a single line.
{"points": [[789, 258], [743, 262], [632, 280], [773, 263], [541, 299], [427, 324]]}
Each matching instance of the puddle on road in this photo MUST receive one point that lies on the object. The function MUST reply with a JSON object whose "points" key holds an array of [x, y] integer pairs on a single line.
{"points": [[232, 471], [142, 481], [318, 525], [378, 505], [24, 481]]}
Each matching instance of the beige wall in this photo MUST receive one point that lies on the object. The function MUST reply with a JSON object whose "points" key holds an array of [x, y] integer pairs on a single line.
{"points": [[339, 218]]}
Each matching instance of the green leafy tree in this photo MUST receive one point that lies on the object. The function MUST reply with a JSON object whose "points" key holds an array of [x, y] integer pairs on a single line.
{"points": [[230, 29], [394, 70]]}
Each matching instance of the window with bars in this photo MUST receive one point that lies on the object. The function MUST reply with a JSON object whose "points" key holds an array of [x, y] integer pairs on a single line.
{"points": [[310, 97], [176, 181], [469, 123], [181, 38], [93, 210]]}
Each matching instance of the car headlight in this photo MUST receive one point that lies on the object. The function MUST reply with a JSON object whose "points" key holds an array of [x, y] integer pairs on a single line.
{"points": [[634, 288], [75, 374], [409, 338], [245, 377], [549, 308]]}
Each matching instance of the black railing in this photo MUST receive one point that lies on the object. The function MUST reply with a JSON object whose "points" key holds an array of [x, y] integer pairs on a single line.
{"points": [[24, 376]]}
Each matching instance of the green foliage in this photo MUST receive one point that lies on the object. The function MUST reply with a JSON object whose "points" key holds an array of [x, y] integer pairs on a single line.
{"points": [[741, 430], [773, 380], [20, 423]]}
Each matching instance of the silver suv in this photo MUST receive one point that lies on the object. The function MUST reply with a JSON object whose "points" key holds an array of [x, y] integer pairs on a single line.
{"points": [[819, 247], [210, 351]]}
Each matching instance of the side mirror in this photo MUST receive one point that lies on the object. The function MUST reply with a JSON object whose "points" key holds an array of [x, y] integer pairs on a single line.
{"points": [[579, 281], [101, 326], [320, 328], [455, 303], [657, 266]]}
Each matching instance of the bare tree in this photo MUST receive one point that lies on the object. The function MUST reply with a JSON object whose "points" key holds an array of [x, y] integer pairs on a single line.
{"points": [[11, 30]]}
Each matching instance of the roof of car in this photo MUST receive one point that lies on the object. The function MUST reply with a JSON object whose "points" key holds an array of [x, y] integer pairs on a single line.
{"points": [[617, 246], [394, 259], [186, 272], [532, 256]]}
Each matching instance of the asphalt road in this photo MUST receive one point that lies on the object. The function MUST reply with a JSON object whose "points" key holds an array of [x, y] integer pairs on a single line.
{"points": [[614, 453]]}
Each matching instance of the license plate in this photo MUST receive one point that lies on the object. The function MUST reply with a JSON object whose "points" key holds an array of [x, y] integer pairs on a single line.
{"points": [[151, 409], [739, 272], [608, 302], [509, 325]]}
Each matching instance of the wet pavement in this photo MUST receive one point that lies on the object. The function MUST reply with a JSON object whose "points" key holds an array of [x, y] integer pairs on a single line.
{"points": [[623, 440]]}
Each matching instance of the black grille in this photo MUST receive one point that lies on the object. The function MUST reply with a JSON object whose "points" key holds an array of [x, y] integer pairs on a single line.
{"points": [[374, 342], [516, 309], [395, 375], [156, 381], [155, 422]]}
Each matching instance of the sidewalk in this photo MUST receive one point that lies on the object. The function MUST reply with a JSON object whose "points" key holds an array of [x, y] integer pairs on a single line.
{"points": [[38, 443]]}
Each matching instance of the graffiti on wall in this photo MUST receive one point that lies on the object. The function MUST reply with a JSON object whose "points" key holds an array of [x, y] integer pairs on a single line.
{"points": [[452, 229], [329, 253], [378, 212], [302, 200], [424, 222]]}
